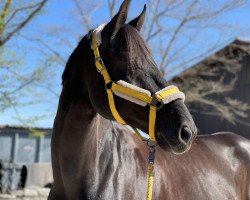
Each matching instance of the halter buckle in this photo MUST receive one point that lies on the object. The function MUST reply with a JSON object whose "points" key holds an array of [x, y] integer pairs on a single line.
{"points": [[156, 103], [100, 61]]}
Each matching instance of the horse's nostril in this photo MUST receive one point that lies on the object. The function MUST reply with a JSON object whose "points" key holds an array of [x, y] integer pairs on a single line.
{"points": [[185, 134]]}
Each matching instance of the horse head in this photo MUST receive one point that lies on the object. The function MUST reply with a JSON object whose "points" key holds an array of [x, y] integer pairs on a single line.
{"points": [[127, 57]]}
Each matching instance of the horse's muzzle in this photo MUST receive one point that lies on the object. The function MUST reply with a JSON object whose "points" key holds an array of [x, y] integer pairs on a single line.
{"points": [[185, 139], [177, 141]]}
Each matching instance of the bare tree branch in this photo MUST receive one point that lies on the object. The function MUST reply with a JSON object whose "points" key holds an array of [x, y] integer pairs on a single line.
{"points": [[20, 10], [176, 32], [62, 60], [23, 23], [3, 17], [83, 16], [186, 63]]}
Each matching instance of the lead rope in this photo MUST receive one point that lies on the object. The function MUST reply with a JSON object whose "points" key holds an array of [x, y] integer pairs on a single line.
{"points": [[151, 174], [151, 162]]}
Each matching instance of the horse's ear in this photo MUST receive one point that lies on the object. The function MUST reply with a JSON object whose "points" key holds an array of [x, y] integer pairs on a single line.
{"points": [[138, 21], [117, 21]]}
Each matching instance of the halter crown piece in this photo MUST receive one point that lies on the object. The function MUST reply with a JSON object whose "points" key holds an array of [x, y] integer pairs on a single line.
{"points": [[131, 92]]}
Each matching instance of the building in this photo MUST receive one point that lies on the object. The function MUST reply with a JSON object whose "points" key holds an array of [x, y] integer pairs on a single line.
{"points": [[24, 158], [25, 146], [231, 65]]}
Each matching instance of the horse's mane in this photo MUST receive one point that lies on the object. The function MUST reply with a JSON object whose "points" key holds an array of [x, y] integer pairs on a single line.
{"points": [[75, 58]]}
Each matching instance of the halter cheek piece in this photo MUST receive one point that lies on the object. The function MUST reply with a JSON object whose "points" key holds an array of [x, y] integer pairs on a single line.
{"points": [[131, 92]]}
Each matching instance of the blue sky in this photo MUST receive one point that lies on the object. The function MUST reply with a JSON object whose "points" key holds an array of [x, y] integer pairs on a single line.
{"points": [[58, 15]]}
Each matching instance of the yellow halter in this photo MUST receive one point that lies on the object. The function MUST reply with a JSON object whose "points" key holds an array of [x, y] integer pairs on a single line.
{"points": [[155, 102]]}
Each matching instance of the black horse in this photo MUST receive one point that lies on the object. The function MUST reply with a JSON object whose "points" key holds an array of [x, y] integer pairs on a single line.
{"points": [[95, 158]]}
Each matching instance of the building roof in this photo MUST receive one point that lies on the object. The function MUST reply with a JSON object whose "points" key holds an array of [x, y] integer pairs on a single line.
{"points": [[7, 128], [241, 45], [242, 39]]}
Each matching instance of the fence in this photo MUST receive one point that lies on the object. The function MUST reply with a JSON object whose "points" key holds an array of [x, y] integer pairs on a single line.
{"points": [[18, 146], [17, 149]]}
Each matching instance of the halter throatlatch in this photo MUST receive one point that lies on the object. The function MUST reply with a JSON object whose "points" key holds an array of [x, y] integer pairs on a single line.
{"points": [[134, 94]]}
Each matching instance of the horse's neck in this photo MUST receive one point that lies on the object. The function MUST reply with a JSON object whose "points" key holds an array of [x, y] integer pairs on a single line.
{"points": [[90, 129], [90, 151], [80, 125]]}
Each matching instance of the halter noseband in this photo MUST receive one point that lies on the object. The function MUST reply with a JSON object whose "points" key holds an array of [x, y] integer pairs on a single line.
{"points": [[133, 93]]}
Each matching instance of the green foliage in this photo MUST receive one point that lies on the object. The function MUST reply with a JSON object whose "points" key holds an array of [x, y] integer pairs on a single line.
{"points": [[36, 133], [17, 79]]}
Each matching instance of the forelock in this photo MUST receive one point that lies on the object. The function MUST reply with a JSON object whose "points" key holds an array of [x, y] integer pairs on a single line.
{"points": [[132, 46]]}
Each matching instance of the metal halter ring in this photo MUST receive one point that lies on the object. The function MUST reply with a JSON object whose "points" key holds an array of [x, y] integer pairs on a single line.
{"points": [[152, 144], [108, 86]]}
